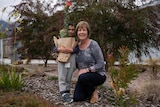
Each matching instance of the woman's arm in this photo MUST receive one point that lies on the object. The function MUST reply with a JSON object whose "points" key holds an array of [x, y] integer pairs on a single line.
{"points": [[98, 57], [70, 50]]}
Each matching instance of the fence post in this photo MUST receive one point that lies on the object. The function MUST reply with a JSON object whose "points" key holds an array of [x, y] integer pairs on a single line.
{"points": [[1, 44]]}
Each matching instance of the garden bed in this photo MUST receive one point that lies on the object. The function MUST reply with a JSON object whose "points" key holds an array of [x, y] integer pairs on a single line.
{"points": [[42, 82]]}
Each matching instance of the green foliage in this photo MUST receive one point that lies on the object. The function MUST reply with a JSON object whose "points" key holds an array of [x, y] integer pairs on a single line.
{"points": [[63, 33], [121, 76], [3, 33], [9, 79], [53, 78], [115, 25], [38, 25]]}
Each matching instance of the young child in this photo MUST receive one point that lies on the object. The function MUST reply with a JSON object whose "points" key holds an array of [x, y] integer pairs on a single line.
{"points": [[66, 62]]}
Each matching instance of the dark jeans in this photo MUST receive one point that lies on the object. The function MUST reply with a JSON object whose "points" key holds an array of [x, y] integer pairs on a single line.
{"points": [[86, 84]]}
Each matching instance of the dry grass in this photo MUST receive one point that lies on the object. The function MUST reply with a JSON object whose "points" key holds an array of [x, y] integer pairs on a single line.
{"points": [[22, 99], [146, 87], [151, 92]]}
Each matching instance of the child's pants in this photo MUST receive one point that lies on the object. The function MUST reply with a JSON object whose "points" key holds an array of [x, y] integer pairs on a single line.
{"points": [[65, 72]]}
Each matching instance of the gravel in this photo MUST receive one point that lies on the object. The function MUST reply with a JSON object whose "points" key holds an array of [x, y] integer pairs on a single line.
{"points": [[38, 81]]}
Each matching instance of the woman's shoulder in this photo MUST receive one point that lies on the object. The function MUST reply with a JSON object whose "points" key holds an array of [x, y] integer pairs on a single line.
{"points": [[94, 42]]}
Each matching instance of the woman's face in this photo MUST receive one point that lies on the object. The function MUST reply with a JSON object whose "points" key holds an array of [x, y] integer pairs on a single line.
{"points": [[82, 33]]}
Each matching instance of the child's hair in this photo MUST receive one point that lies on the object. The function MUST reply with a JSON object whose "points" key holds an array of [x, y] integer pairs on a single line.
{"points": [[70, 24]]}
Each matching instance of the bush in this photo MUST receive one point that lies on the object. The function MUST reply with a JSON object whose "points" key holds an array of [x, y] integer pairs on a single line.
{"points": [[11, 94], [10, 79], [121, 76]]}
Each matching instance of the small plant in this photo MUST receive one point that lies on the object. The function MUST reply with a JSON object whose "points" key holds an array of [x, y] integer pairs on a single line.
{"points": [[53, 78], [121, 77], [9, 79]]}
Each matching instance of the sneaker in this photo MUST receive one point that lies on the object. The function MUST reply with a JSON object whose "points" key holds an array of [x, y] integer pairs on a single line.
{"points": [[65, 97]]}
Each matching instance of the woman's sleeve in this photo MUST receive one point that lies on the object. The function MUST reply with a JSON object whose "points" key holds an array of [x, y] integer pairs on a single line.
{"points": [[98, 56], [76, 49]]}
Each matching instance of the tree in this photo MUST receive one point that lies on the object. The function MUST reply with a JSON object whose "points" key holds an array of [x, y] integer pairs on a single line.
{"points": [[155, 18], [39, 23], [114, 25]]}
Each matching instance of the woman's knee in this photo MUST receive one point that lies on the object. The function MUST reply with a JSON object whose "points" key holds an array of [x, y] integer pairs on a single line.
{"points": [[82, 78]]}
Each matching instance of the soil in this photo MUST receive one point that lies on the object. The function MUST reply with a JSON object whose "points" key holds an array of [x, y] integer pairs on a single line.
{"points": [[38, 81]]}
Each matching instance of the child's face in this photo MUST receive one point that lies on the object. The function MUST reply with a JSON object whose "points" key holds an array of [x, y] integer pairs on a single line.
{"points": [[71, 30]]}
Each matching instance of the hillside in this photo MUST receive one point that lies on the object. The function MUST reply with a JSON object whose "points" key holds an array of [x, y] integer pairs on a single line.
{"points": [[4, 25]]}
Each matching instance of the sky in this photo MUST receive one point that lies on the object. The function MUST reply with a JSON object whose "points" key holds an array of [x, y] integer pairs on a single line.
{"points": [[9, 4]]}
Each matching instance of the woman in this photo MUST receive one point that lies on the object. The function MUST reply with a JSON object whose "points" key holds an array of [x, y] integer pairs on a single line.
{"points": [[90, 63]]}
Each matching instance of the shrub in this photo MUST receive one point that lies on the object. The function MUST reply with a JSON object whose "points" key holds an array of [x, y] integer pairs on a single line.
{"points": [[10, 94], [121, 76], [10, 79]]}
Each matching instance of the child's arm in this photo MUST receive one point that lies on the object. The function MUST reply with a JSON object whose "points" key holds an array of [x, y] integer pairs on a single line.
{"points": [[60, 49], [55, 49]]}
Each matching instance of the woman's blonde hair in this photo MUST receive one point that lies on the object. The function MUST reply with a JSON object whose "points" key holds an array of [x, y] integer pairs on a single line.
{"points": [[82, 24]]}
